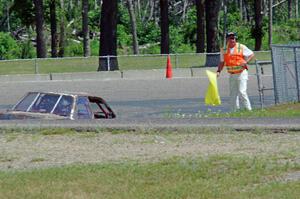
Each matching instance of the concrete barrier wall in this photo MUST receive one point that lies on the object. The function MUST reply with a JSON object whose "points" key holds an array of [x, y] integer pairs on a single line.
{"points": [[103, 75], [127, 74], [25, 77]]}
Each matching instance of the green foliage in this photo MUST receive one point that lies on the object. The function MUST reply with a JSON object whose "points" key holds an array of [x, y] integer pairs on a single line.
{"points": [[178, 43], [9, 48], [94, 45], [124, 38], [287, 33], [94, 16], [182, 31], [188, 29], [24, 10], [27, 49], [148, 33], [74, 48]]}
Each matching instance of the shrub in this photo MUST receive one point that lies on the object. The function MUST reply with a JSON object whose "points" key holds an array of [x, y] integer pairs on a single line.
{"points": [[9, 48], [74, 48]]}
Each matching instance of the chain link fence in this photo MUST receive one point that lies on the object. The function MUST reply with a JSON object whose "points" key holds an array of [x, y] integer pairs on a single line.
{"points": [[286, 73], [125, 62]]}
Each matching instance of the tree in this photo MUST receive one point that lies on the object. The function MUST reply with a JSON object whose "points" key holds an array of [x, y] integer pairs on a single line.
{"points": [[41, 50], [289, 9], [85, 28], [164, 27], [108, 36], [212, 8], [200, 45], [270, 22], [62, 42], [296, 9], [25, 11], [53, 25], [257, 32], [135, 45]]}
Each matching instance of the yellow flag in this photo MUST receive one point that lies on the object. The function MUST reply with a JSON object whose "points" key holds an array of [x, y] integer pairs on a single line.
{"points": [[212, 96]]}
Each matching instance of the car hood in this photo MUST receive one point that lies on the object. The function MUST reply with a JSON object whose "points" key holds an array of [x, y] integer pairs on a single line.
{"points": [[18, 115]]}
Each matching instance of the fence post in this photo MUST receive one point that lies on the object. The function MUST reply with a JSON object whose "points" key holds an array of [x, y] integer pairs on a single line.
{"points": [[108, 63], [260, 91], [176, 61], [296, 71]]}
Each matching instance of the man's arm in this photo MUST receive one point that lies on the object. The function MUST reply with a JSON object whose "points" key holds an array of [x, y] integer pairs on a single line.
{"points": [[249, 58], [221, 63], [248, 55], [220, 68]]}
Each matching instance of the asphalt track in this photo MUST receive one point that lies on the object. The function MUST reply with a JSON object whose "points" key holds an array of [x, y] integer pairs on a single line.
{"points": [[148, 102]]}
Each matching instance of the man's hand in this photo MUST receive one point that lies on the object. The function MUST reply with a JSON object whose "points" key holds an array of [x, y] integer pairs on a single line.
{"points": [[218, 73], [244, 65]]}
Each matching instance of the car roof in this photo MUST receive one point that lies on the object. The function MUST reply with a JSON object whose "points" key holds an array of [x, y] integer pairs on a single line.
{"points": [[64, 93]]}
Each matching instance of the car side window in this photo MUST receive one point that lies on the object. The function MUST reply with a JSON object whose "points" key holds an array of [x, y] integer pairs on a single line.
{"points": [[64, 106], [83, 109]]}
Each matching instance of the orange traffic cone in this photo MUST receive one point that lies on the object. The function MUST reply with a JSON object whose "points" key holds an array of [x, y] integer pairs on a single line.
{"points": [[169, 68]]}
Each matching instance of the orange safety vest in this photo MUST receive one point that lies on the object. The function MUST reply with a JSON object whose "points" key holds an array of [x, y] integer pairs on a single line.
{"points": [[233, 61]]}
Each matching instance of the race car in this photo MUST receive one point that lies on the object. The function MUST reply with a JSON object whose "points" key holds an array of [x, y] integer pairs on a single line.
{"points": [[52, 105]]}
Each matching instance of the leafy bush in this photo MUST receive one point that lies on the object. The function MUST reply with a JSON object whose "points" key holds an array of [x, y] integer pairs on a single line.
{"points": [[74, 48], [124, 38], [287, 33], [27, 50], [9, 48], [94, 47]]}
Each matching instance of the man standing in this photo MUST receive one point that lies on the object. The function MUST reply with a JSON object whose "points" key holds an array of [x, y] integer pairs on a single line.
{"points": [[235, 57]]}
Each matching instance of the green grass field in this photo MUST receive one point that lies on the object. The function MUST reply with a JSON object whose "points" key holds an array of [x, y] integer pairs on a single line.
{"points": [[90, 64], [242, 174], [288, 110]]}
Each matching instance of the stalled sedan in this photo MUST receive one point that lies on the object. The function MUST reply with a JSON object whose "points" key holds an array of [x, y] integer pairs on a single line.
{"points": [[51, 105]]}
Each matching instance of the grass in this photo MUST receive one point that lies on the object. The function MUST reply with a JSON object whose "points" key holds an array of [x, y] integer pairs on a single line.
{"points": [[90, 64], [289, 110], [214, 177], [241, 174]]}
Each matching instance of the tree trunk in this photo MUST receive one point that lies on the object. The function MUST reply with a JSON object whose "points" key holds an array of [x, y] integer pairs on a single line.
{"points": [[225, 21], [290, 9], [135, 45], [258, 31], [241, 9], [8, 16], [212, 8], [270, 22], [53, 26], [61, 44], [61, 52], [85, 28], [41, 50], [200, 45], [164, 26], [296, 9], [108, 36]]}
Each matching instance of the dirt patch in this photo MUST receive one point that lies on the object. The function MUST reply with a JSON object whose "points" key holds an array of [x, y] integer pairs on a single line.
{"points": [[27, 151]]}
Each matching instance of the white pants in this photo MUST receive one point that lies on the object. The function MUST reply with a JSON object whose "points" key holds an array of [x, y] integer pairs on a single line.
{"points": [[238, 91]]}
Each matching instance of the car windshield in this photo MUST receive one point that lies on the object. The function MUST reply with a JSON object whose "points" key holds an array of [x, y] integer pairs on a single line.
{"points": [[25, 103], [44, 103]]}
